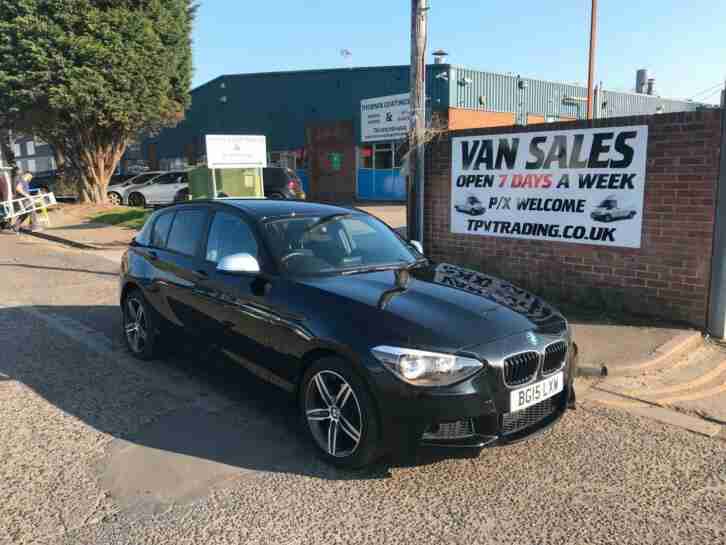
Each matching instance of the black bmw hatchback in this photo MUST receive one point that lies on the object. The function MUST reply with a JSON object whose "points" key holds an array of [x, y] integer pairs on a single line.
{"points": [[383, 349]]}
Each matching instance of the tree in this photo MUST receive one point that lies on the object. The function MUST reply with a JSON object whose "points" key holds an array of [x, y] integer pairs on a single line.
{"points": [[87, 76]]}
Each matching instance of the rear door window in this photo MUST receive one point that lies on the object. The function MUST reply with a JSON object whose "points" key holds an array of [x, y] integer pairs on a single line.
{"points": [[160, 232], [187, 231]]}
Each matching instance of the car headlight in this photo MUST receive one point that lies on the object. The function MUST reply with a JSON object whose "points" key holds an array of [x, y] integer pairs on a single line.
{"points": [[423, 368]]}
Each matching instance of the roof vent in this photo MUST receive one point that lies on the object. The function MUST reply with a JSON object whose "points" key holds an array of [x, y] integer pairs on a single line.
{"points": [[440, 56]]}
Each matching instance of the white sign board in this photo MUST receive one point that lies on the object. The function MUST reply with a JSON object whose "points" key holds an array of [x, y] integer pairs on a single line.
{"points": [[584, 186], [236, 151], [385, 118]]}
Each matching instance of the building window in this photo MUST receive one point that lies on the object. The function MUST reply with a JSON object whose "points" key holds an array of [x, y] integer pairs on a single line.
{"points": [[30, 147], [31, 166], [16, 150], [284, 159], [365, 156], [381, 156]]}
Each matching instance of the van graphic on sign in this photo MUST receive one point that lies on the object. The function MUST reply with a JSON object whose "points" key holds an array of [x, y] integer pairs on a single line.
{"points": [[471, 206], [612, 209]]}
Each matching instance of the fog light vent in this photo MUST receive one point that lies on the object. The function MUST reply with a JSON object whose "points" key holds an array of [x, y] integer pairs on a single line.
{"points": [[450, 430]]}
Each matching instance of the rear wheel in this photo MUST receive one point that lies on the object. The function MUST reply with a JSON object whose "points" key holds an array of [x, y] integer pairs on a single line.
{"points": [[607, 217], [114, 198], [339, 414], [140, 326]]}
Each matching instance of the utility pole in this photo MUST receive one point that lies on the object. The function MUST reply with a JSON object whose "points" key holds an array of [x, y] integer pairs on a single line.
{"points": [[419, 21], [591, 63]]}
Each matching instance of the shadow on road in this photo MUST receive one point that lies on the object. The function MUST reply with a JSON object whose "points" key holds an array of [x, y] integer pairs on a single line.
{"points": [[256, 428]]}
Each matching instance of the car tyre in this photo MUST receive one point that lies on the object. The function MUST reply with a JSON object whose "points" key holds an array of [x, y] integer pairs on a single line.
{"points": [[339, 414], [182, 195], [137, 199], [631, 215], [141, 331], [607, 217], [114, 198]]}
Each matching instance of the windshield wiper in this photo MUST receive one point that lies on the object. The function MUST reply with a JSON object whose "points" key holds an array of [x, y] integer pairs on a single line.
{"points": [[328, 219], [373, 268]]}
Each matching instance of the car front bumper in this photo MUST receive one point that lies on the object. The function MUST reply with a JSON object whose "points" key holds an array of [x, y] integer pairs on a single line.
{"points": [[473, 414]]}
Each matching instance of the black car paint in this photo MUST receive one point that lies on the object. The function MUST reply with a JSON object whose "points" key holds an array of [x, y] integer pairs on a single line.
{"points": [[276, 325]]}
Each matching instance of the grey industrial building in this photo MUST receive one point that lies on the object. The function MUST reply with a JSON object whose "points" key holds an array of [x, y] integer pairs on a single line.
{"points": [[311, 118]]}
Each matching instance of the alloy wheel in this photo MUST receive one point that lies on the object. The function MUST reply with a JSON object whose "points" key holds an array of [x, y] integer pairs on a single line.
{"points": [[135, 325], [333, 414], [114, 199]]}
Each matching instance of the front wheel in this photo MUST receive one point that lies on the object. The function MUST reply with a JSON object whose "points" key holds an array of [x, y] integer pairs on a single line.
{"points": [[114, 198], [339, 414], [137, 199]]}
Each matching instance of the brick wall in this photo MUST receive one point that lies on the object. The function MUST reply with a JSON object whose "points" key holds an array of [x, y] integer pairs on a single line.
{"points": [[326, 183], [667, 277]]}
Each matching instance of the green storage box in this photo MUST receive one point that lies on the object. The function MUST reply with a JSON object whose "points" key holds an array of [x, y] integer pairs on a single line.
{"points": [[231, 182]]}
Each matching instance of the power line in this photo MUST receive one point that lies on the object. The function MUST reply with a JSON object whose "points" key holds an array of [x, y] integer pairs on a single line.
{"points": [[709, 90], [718, 91]]}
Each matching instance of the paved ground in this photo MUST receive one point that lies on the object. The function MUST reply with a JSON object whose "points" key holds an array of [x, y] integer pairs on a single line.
{"points": [[98, 448]]}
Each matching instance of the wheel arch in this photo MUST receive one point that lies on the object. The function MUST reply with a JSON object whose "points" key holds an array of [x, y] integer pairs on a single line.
{"points": [[128, 286]]}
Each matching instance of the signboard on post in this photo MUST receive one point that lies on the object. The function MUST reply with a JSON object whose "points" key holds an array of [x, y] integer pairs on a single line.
{"points": [[583, 186], [236, 151], [385, 118]]}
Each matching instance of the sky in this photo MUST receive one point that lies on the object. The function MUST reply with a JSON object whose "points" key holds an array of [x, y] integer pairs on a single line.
{"points": [[682, 43]]}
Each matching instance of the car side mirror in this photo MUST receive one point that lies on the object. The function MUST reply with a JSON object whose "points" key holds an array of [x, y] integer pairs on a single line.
{"points": [[238, 264], [416, 244]]}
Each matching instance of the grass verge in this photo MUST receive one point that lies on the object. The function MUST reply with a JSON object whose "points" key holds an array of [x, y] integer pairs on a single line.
{"points": [[130, 218]]}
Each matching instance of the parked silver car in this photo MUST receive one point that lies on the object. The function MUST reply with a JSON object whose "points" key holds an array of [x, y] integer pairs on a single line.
{"points": [[118, 194]]}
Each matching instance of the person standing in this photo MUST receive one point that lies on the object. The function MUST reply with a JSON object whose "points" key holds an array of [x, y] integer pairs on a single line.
{"points": [[22, 191], [6, 195]]}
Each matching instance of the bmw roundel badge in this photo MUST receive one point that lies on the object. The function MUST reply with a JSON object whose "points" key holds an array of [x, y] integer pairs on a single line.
{"points": [[532, 338]]}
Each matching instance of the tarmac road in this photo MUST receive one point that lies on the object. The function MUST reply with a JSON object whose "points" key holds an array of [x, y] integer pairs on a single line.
{"points": [[99, 448]]}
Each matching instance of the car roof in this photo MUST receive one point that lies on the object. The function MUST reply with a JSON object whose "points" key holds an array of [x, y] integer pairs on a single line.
{"points": [[270, 208]]}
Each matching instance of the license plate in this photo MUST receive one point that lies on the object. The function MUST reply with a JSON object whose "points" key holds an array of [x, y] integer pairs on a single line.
{"points": [[534, 393]]}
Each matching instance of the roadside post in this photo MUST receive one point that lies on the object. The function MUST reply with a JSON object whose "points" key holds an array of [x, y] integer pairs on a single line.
{"points": [[717, 296], [419, 26]]}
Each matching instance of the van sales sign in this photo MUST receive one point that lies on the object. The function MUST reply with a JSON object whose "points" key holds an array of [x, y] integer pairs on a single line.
{"points": [[584, 186]]}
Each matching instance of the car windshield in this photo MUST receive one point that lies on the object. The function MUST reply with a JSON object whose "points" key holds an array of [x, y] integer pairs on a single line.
{"points": [[336, 244], [607, 204]]}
